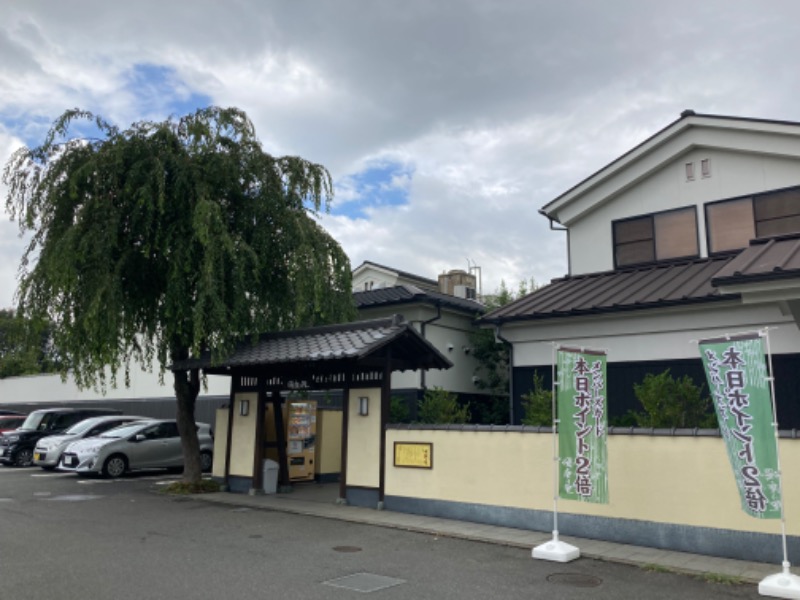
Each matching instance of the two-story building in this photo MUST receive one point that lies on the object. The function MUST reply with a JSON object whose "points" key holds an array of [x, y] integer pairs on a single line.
{"points": [[443, 312], [693, 233]]}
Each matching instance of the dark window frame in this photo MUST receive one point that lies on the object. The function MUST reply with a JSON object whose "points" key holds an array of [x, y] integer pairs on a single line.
{"points": [[652, 217], [752, 198]]}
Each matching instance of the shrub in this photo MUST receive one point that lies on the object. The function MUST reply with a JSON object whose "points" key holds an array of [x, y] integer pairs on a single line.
{"points": [[669, 402], [537, 405], [441, 407], [398, 410]]}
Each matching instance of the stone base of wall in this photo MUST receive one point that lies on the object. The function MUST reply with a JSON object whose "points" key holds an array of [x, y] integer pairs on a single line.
{"points": [[726, 543]]}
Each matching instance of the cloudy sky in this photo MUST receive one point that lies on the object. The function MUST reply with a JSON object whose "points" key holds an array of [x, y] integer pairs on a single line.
{"points": [[446, 125]]}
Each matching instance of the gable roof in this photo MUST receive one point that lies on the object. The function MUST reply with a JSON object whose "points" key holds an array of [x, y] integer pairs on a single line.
{"points": [[404, 274], [362, 344], [653, 286], [690, 130], [408, 294]]}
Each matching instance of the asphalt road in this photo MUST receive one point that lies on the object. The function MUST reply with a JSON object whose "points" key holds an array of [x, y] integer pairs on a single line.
{"points": [[63, 537]]}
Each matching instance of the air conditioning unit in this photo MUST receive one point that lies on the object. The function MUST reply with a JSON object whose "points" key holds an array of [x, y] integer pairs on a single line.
{"points": [[464, 291]]}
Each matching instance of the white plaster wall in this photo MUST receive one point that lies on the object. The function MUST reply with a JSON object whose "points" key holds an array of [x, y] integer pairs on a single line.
{"points": [[651, 335], [50, 388], [732, 174], [452, 328], [379, 279]]}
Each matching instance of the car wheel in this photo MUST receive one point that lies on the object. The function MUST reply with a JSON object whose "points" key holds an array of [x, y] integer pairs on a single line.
{"points": [[115, 466], [206, 461], [24, 458]]}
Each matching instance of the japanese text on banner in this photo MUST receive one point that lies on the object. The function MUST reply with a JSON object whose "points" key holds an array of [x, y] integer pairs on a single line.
{"points": [[737, 377], [582, 435]]}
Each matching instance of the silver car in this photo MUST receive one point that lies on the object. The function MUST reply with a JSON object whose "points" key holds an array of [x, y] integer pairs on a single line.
{"points": [[150, 444], [48, 450]]}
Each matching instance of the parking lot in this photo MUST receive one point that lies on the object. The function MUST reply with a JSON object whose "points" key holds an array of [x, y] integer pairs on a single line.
{"points": [[69, 537]]}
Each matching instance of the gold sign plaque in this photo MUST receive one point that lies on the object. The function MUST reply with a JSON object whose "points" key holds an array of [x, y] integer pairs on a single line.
{"points": [[415, 455]]}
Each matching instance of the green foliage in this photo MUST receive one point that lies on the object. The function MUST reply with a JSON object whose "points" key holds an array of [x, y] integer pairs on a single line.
{"points": [[441, 407], [490, 410], [26, 346], [537, 405], [398, 410], [493, 356], [669, 402], [167, 239]]}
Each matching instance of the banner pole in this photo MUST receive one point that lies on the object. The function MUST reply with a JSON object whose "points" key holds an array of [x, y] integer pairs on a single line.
{"points": [[783, 584], [555, 549], [554, 430]]}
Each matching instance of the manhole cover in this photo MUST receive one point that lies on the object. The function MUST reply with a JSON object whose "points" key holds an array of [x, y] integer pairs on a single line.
{"points": [[364, 582], [347, 549], [575, 579]]}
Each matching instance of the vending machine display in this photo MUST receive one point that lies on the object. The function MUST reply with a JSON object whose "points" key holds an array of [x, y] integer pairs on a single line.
{"points": [[301, 439]]}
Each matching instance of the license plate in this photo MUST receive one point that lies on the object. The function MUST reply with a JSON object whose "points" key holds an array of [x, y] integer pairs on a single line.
{"points": [[70, 461], [37, 456]]}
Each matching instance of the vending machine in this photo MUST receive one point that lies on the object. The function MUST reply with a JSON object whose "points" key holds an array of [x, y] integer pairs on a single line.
{"points": [[301, 425]]}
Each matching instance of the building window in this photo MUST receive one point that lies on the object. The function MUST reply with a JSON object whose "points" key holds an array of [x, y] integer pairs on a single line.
{"points": [[660, 236], [705, 167], [733, 223], [690, 171]]}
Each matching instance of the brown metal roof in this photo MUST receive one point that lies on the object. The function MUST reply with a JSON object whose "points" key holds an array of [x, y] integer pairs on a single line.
{"points": [[763, 260], [362, 344], [652, 286]]}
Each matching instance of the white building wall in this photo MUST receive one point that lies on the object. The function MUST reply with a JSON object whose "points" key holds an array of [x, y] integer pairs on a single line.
{"points": [[651, 335], [452, 329], [50, 388], [371, 278], [732, 174]]}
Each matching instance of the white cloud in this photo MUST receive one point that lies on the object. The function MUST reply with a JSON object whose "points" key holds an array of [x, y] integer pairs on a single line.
{"points": [[494, 107]]}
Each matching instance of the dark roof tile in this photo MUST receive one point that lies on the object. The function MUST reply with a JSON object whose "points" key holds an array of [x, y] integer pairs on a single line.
{"points": [[763, 260], [612, 291], [405, 294]]}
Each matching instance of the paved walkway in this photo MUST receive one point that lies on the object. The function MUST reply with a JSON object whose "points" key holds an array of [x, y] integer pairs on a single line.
{"points": [[318, 500]]}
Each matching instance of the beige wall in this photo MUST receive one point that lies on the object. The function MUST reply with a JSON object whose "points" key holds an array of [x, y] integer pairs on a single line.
{"points": [[329, 442], [243, 438], [363, 440], [328, 446], [675, 480], [220, 442]]}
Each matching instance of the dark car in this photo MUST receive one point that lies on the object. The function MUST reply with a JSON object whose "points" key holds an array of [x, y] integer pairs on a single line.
{"points": [[5, 411], [9, 422], [16, 447]]}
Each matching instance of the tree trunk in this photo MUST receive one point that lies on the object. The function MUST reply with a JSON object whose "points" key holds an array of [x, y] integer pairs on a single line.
{"points": [[187, 387]]}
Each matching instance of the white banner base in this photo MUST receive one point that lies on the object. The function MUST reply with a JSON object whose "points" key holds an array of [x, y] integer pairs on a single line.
{"points": [[556, 550], [781, 585]]}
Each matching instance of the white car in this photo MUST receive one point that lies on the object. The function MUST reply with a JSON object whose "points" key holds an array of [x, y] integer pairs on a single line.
{"points": [[48, 450], [150, 444]]}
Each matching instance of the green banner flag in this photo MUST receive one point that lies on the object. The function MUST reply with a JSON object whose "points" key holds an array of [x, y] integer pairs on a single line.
{"points": [[737, 377], [582, 425]]}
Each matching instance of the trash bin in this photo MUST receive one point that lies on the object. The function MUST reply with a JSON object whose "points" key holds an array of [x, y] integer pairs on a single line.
{"points": [[270, 476]]}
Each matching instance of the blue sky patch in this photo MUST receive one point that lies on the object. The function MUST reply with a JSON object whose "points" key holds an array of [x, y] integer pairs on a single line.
{"points": [[380, 184], [154, 92], [159, 91]]}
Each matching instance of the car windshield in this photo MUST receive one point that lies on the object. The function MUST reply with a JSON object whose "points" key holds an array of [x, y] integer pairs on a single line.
{"points": [[36, 421], [81, 427], [122, 431]]}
